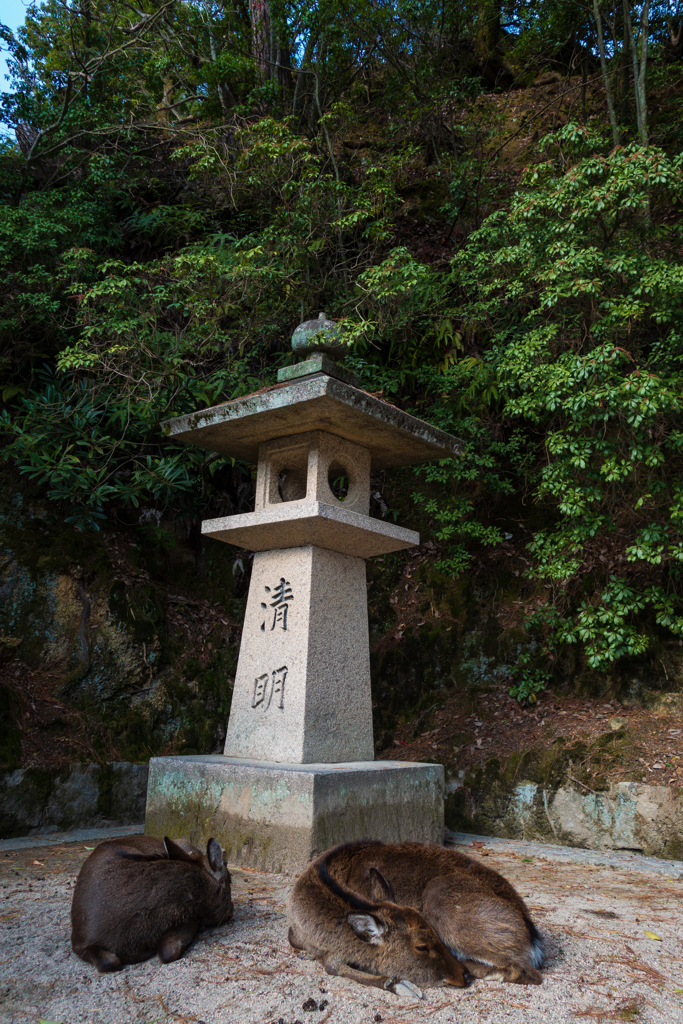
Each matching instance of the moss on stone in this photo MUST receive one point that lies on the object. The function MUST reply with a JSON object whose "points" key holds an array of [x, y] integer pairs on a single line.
{"points": [[424, 200], [488, 792], [673, 849], [495, 797], [139, 609]]}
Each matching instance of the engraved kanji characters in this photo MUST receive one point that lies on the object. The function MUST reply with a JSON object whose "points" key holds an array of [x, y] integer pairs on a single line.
{"points": [[260, 688], [281, 596], [278, 688], [269, 687]]}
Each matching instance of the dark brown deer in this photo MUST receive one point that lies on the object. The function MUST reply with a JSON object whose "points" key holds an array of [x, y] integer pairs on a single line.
{"points": [[468, 917], [138, 896]]}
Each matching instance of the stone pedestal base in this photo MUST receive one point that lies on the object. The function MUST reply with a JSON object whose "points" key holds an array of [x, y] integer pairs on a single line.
{"points": [[277, 817]]}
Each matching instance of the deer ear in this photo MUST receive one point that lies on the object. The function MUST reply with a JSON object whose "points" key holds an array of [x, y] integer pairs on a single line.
{"points": [[175, 851], [367, 928], [379, 887], [214, 855]]}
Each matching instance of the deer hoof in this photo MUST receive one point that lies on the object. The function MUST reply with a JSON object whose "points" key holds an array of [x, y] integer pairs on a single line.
{"points": [[401, 987]]}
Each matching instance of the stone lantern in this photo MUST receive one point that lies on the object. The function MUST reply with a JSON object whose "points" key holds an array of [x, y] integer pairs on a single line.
{"points": [[297, 774]]}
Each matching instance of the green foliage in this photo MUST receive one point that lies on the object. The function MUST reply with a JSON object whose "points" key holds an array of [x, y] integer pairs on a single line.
{"points": [[605, 629], [484, 470], [574, 294], [529, 682], [89, 451], [191, 182]]}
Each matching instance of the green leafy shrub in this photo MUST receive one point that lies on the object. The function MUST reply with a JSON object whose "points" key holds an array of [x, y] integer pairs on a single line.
{"points": [[574, 296]]}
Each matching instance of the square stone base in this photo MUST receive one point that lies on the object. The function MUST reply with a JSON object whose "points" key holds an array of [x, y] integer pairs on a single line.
{"points": [[277, 817]]}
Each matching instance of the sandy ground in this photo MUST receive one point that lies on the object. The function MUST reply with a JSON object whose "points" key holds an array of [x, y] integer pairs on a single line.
{"points": [[600, 963]]}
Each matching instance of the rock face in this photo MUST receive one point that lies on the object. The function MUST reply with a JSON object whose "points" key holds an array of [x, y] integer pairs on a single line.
{"points": [[630, 816], [109, 647], [627, 816], [81, 796]]}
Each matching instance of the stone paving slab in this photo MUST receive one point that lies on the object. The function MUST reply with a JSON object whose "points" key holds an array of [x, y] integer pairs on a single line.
{"points": [[569, 855]]}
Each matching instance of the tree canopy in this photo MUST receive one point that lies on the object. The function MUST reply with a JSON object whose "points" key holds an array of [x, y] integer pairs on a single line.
{"points": [[487, 196]]}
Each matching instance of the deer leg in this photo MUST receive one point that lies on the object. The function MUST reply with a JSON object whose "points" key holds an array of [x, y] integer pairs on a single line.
{"points": [[294, 940], [478, 970], [103, 959], [398, 986], [336, 967], [522, 974], [173, 944], [516, 974]]}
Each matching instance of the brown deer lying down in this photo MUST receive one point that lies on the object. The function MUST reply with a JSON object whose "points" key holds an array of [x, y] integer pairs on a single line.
{"points": [[138, 896], [392, 914]]}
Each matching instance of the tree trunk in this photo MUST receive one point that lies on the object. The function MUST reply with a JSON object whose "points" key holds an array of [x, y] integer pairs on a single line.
{"points": [[316, 108], [487, 38], [164, 108], [488, 29], [605, 74], [225, 94], [259, 11], [301, 78], [284, 74], [675, 36], [626, 62], [87, 26], [639, 57]]}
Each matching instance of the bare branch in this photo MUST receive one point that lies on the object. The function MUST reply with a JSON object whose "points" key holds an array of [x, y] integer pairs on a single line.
{"points": [[56, 124]]}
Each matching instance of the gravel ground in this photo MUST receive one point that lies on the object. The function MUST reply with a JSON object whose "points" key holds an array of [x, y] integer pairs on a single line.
{"points": [[600, 963]]}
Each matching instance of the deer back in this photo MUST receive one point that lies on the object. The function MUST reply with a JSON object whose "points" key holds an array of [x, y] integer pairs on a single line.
{"points": [[476, 912], [132, 891], [410, 867]]}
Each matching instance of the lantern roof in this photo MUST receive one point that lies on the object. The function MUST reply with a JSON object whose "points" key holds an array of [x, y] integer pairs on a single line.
{"points": [[314, 402]]}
